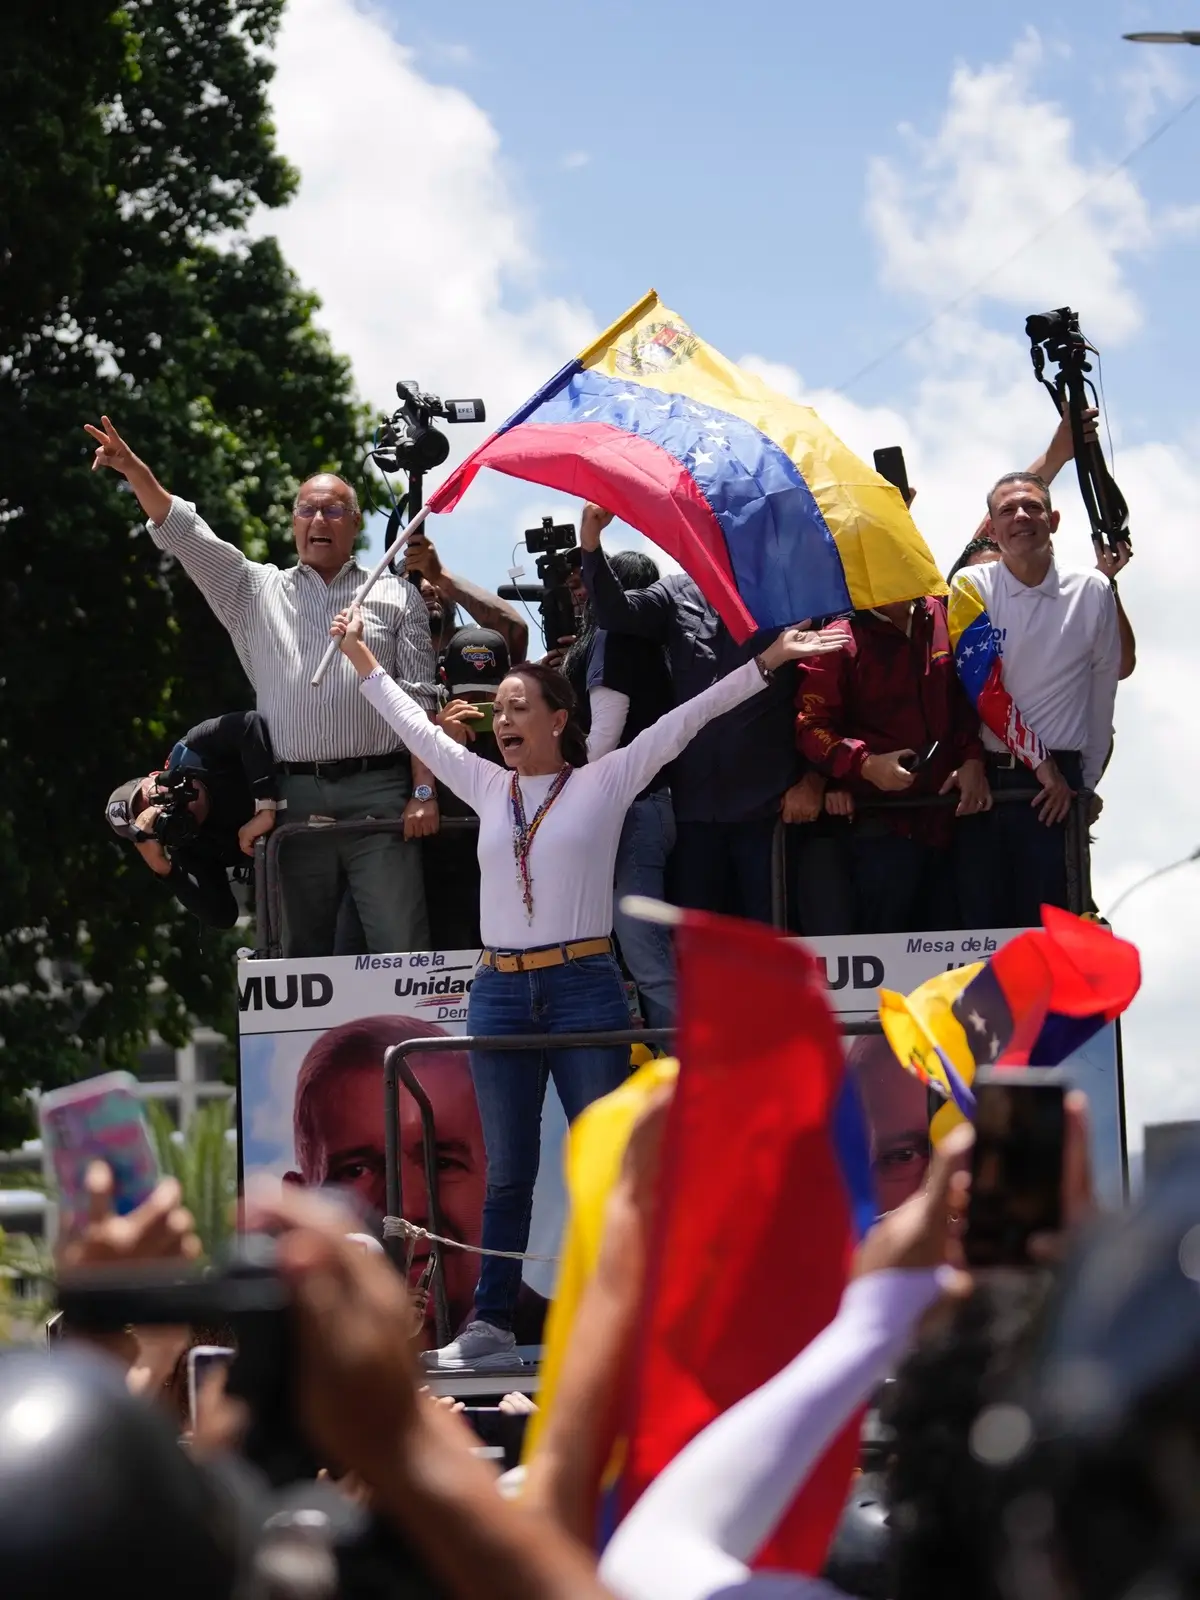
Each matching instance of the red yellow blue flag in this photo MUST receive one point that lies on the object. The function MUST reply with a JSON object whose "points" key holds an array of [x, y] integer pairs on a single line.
{"points": [[980, 662], [1041, 997], [769, 512]]}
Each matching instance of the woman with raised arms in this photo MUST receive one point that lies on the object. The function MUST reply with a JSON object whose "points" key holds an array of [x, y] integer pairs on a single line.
{"points": [[549, 826]]}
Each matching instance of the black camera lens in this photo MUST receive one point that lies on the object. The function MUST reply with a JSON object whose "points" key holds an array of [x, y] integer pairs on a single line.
{"points": [[1046, 327]]}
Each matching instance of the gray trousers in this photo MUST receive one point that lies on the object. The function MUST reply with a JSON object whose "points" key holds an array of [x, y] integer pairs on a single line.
{"points": [[382, 870]]}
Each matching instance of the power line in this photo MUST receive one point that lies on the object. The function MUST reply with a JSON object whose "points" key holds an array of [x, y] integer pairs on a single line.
{"points": [[1159, 872], [1033, 239]]}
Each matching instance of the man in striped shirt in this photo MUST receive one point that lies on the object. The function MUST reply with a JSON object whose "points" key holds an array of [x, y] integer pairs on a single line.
{"points": [[338, 759]]}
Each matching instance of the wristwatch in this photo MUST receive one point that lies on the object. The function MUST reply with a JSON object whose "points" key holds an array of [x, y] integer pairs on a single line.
{"points": [[422, 792]]}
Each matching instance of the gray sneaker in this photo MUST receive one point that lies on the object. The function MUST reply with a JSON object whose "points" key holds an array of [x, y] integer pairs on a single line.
{"points": [[479, 1347]]}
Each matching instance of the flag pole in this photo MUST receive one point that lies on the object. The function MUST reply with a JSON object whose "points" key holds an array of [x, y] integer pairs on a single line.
{"points": [[364, 588], [638, 309]]}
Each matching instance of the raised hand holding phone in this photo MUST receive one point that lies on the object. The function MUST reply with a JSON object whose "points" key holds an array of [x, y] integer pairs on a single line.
{"points": [[1017, 1166], [99, 1120]]}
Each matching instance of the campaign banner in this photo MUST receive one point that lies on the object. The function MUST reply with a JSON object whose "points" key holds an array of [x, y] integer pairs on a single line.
{"points": [[313, 1033], [857, 967], [312, 1036]]}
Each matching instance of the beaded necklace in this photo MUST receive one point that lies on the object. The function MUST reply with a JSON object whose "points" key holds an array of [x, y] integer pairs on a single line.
{"points": [[523, 831]]}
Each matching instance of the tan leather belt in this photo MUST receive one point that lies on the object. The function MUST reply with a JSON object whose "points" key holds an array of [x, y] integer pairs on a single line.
{"points": [[547, 955]]}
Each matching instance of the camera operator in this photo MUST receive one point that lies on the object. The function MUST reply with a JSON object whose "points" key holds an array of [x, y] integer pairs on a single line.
{"points": [[339, 761], [200, 816], [1038, 650], [443, 592], [577, 593], [982, 548]]}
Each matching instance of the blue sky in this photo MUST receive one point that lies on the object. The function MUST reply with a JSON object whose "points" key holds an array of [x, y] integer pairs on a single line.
{"points": [[731, 157], [483, 188]]}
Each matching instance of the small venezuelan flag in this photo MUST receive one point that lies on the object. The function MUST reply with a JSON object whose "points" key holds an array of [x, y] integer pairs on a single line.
{"points": [[979, 659], [1041, 997], [774, 518]]}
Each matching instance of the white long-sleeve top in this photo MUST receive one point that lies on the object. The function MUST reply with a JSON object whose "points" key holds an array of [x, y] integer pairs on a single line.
{"points": [[575, 849], [701, 1522]]}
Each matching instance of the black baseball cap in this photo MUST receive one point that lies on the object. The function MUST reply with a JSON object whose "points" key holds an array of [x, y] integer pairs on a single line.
{"points": [[475, 658]]}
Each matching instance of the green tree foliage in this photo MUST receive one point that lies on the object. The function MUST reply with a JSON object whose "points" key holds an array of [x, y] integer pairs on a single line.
{"points": [[204, 1160], [137, 145]]}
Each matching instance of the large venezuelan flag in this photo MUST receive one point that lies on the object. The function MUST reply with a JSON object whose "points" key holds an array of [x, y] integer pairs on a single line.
{"points": [[774, 518]]}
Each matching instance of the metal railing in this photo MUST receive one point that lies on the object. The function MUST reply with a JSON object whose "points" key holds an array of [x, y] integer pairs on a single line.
{"points": [[1076, 843], [397, 1071], [268, 890], [268, 894]]}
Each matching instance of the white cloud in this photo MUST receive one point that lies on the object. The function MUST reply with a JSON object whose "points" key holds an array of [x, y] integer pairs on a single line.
{"points": [[574, 159], [405, 223], [1002, 170], [1154, 81]]}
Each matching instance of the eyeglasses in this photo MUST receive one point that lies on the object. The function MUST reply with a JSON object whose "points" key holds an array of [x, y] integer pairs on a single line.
{"points": [[334, 513]]}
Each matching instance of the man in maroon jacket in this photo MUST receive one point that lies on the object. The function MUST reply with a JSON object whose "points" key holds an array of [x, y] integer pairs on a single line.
{"points": [[888, 716]]}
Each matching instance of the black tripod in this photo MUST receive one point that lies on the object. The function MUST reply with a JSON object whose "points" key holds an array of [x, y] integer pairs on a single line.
{"points": [[1058, 331]]}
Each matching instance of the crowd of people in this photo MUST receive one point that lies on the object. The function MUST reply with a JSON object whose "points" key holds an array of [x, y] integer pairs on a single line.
{"points": [[887, 759], [1036, 1429], [924, 758], [658, 761]]}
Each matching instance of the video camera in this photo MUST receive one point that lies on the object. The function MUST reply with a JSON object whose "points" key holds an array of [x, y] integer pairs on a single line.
{"points": [[248, 1295], [1055, 336], [549, 543], [408, 441], [173, 793]]}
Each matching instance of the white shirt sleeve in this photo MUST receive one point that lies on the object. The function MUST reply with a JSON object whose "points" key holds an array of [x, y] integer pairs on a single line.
{"points": [[1106, 669], [609, 709], [224, 576], [700, 1523], [626, 772], [468, 775]]}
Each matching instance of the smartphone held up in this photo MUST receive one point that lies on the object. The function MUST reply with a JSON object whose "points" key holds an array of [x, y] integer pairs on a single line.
{"points": [[1016, 1164], [98, 1120]]}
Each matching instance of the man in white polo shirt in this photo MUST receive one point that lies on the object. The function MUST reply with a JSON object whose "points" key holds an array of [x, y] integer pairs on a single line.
{"points": [[1038, 650]]}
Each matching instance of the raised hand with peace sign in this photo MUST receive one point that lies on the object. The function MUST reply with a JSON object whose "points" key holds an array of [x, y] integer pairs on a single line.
{"points": [[112, 451]]}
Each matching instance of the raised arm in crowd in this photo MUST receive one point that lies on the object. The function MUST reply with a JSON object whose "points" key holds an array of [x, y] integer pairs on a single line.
{"points": [[983, 548], [729, 786], [444, 591], [336, 758]]}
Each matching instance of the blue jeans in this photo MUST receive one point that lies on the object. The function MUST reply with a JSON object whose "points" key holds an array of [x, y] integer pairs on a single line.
{"points": [[510, 1085], [647, 839]]}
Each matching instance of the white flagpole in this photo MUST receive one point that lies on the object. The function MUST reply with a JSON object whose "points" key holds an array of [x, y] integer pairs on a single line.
{"points": [[364, 589]]}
